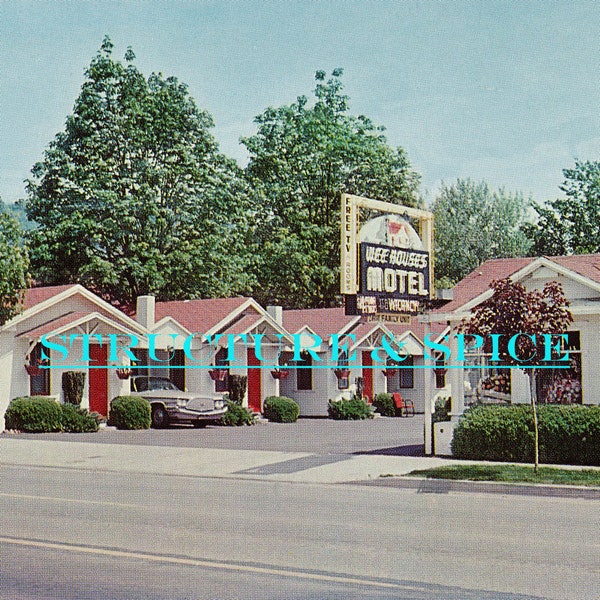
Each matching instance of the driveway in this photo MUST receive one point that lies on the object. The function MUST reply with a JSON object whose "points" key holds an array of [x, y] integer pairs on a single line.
{"points": [[383, 435]]}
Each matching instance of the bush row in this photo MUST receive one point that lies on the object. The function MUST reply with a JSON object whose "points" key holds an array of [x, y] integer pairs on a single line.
{"points": [[567, 434], [350, 410], [40, 414]]}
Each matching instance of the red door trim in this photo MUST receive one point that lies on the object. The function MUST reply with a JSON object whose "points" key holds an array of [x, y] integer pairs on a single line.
{"points": [[367, 374], [98, 380], [254, 382]]}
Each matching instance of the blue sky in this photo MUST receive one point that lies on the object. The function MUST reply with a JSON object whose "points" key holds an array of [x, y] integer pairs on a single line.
{"points": [[506, 91]]}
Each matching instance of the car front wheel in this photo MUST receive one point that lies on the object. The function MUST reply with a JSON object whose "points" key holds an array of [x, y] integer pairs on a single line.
{"points": [[160, 418]]}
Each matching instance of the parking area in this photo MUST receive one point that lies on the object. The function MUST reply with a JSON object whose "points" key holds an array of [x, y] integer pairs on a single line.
{"points": [[384, 436]]}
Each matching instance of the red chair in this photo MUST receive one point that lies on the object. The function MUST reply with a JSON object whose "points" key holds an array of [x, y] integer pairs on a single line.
{"points": [[405, 407]]}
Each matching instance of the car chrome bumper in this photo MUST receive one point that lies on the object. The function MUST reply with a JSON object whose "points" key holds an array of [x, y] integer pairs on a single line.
{"points": [[194, 415]]}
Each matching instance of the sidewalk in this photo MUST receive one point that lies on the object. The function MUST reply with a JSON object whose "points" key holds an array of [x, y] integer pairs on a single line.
{"points": [[208, 462], [296, 467]]}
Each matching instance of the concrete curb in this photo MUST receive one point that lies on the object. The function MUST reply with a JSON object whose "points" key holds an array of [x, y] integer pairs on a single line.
{"points": [[444, 486]]}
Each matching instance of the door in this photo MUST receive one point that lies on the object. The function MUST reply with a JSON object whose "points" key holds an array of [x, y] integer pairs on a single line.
{"points": [[254, 383], [98, 380], [367, 373]]}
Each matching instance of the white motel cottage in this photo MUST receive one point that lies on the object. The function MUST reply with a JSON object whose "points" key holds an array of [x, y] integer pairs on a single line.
{"points": [[579, 277], [90, 335], [75, 317]]}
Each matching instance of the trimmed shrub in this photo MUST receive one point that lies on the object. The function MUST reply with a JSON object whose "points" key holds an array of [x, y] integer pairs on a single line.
{"points": [[280, 409], [384, 404], [130, 412], [350, 410], [568, 434], [78, 420], [34, 414], [237, 415], [237, 388], [73, 383]]}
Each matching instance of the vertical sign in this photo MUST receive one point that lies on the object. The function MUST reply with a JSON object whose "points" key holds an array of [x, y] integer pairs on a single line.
{"points": [[349, 279]]}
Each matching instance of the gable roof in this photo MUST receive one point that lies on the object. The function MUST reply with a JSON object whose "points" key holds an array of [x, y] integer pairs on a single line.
{"points": [[40, 299], [35, 296], [322, 321], [198, 316], [328, 321], [478, 282]]}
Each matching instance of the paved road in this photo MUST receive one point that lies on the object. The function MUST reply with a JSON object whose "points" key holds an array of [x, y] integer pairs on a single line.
{"points": [[77, 534], [386, 436]]}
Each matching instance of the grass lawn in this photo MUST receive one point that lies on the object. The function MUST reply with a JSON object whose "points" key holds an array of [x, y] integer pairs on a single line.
{"points": [[513, 474]]}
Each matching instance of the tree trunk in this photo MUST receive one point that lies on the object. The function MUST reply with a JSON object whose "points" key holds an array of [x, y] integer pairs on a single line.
{"points": [[533, 394]]}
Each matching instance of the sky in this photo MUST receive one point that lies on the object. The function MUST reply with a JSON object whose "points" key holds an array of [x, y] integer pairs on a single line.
{"points": [[502, 91]]}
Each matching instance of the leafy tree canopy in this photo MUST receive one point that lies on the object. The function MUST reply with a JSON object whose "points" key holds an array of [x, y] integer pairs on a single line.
{"points": [[303, 156], [14, 264], [570, 225], [133, 196], [473, 224], [514, 310]]}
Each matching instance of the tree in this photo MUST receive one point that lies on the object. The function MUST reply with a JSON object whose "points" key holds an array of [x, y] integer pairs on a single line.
{"points": [[570, 225], [473, 224], [512, 310], [133, 196], [14, 264], [301, 159]]}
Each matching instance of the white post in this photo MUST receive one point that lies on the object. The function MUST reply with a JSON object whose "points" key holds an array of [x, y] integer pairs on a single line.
{"points": [[428, 392]]}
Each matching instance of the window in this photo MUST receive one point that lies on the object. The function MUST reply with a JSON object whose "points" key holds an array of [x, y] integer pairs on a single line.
{"points": [[304, 378], [39, 384], [400, 376], [407, 373], [222, 385], [562, 386], [343, 372]]}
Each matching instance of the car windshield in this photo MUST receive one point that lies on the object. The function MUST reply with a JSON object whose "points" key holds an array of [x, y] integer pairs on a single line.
{"points": [[144, 384]]}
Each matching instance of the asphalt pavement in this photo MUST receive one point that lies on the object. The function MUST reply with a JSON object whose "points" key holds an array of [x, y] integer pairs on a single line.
{"points": [[377, 452]]}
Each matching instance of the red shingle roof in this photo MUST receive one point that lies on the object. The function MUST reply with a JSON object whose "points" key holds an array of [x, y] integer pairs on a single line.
{"points": [[323, 321], [34, 296], [198, 316], [328, 321], [478, 282]]}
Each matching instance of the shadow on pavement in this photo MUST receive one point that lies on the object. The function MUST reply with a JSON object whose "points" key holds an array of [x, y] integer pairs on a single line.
{"points": [[410, 450]]}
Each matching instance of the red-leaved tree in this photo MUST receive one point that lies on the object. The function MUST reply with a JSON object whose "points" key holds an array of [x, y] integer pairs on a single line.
{"points": [[513, 310]]}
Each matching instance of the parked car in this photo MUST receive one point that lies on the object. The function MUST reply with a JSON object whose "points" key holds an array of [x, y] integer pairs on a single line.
{"points": [[172, 405]]}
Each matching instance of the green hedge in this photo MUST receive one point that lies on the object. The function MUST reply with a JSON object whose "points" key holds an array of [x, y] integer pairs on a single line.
{"points": [[34, 414], [130, 412], [237, 415], [384, 404], [40, 414], [280, 409], [78, 420], [567, 434], [350, 410]]}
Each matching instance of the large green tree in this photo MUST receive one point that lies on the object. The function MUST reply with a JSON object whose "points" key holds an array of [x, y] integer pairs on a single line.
{"points": [[133, 197], [303, 156], [570, 225], [474, 223], [14, 264]]}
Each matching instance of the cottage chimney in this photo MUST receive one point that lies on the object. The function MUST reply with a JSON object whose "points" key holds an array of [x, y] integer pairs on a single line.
{"points": [[276, 313], [145, 311]]}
